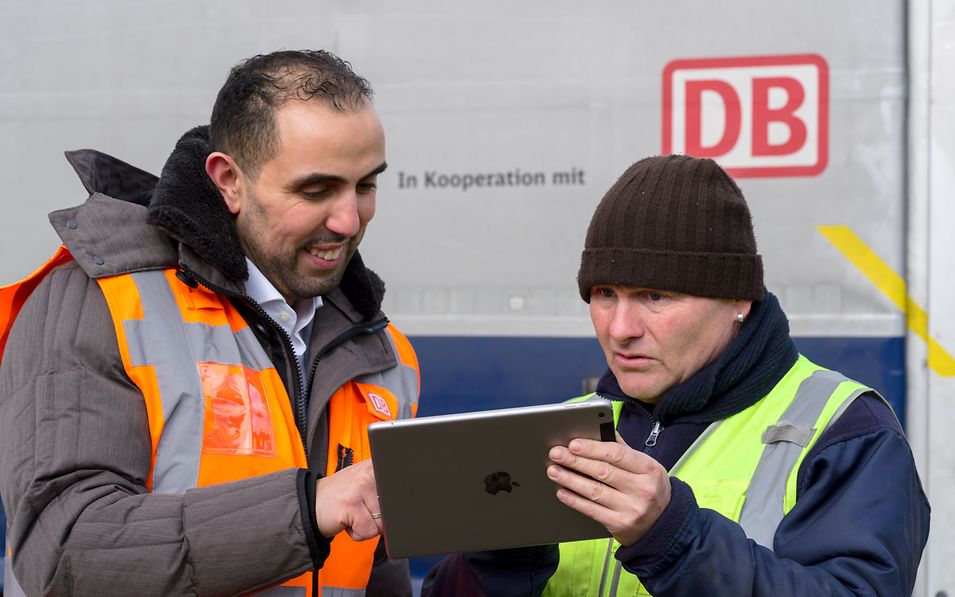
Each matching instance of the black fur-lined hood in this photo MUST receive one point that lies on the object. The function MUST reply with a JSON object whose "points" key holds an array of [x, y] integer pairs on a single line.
{"points": [[184, 203]]}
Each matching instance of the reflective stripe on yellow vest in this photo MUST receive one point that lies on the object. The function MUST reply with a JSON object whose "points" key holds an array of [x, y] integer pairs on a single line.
{"points": [[756, 488], [233, 419]]}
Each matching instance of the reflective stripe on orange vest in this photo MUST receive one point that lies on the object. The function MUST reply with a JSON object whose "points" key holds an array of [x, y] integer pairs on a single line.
{"points": [[230, 418]]}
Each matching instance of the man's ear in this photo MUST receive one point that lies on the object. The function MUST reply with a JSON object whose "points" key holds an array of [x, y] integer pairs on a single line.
{"points": [[743, 306], [228, 178]]}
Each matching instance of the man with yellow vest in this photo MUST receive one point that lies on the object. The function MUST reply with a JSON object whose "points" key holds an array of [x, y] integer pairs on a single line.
{"points": [[185, 387], [740, 468]]}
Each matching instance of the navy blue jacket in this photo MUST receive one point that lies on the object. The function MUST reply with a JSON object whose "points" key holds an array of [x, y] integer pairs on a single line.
{"points": [[859, 525]]}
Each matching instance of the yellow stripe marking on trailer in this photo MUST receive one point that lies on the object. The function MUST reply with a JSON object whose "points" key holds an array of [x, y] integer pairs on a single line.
{"points": [[893, 286]]}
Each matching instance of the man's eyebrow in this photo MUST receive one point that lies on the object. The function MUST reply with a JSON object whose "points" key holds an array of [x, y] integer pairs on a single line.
{"points": [[378, 170], [320, 178]]}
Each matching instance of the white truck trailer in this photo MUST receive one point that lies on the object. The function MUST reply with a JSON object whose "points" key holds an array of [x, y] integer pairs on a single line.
{"points": [[506, 122]]}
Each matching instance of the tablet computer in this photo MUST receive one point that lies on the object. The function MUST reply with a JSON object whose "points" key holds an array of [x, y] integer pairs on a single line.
{"points": [[478, 481]]}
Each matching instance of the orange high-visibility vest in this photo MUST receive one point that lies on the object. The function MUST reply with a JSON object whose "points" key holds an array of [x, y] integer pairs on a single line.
{"points": [[233, 419]]}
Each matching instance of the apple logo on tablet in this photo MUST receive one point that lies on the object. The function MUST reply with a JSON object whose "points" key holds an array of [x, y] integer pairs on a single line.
{"points": [[499, 481]]}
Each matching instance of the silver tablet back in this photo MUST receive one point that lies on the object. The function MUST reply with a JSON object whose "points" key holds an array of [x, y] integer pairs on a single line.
{"points": [[477, 481]]}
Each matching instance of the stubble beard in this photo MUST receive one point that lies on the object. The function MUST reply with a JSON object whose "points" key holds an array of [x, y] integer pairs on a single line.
{"points": [[282, 269]]}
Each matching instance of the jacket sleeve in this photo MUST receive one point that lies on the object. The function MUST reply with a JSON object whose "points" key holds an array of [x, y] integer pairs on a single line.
{"points": [[75, 449], [859, 526], [389, 578]]}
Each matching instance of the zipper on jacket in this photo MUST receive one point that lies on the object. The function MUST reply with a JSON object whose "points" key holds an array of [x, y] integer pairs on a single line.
{"points": [[657, 425], [654, 434], [299, 397]]}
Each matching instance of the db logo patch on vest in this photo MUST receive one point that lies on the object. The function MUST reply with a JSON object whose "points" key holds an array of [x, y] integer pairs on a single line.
{"points": [[379, 404]]}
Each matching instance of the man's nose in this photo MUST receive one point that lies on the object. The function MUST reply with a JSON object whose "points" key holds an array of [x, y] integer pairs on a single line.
{"points": [[343, 218], [627, 322]]}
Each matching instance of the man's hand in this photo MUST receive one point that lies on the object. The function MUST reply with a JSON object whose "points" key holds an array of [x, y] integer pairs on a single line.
{"points": [[626, 492], [346, 501]]}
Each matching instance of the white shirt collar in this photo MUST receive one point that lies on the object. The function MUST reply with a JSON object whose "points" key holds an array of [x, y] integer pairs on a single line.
{"points": [[294, 321]]}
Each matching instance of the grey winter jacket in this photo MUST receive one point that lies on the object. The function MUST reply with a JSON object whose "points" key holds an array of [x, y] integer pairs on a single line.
{"points": [[74, 441]]}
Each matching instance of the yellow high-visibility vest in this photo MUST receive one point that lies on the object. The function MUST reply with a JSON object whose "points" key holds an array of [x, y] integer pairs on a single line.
{"points": [[744, 467]]}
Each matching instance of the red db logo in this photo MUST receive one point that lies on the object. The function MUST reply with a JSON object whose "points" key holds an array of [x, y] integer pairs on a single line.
{"points": [[756, 115]]}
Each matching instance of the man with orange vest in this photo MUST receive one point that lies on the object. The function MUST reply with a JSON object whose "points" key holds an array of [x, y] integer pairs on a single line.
{"points": [[185, 387]]}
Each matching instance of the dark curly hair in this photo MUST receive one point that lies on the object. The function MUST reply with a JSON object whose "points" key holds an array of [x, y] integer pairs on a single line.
{"points": [[243, 117]]}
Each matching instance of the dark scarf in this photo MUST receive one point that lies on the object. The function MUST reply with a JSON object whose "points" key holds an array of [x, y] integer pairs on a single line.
{"points": [[747, 370]]}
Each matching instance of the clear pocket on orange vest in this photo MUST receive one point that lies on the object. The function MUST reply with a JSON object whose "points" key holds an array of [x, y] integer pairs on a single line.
{"points": [[237, 416]]}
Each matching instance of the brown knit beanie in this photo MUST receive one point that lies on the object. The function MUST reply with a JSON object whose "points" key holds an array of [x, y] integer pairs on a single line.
{"points": [[673, 223]]}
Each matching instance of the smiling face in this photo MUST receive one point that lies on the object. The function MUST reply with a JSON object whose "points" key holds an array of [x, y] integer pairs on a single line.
{"points": [[301, 218], [654, 340]]}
